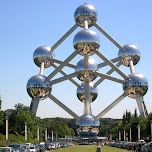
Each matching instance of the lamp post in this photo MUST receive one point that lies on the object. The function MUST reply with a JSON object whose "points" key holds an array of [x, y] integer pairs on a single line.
{"points": [[46, 135], [34, 131], [6, 130], [25, 132], [38, 134], [138, 132], [124, 135], [119, 135], [52, 136], [56, 136], [130, 134]]}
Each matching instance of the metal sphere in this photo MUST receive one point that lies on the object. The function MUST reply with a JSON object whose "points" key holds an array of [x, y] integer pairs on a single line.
{"points": [[88, 126], [85, 11], [43, 53], [81, 92], [136, 86], [87, 74], [87, 120], [86, 42], [131, 51], [37, 87]]}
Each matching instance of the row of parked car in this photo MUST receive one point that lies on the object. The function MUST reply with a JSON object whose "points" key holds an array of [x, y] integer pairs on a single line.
{"points": [[140, 146], [28, 147]]}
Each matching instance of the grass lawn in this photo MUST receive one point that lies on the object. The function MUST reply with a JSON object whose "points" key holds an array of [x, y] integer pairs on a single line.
{"points": [[89, 148]]}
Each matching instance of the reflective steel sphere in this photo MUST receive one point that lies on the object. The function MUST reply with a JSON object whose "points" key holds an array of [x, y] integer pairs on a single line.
{"points": [[131, 51], [138, 85], [85, 11], [38, 88], [86, 42], [81, 92], [87, 120], [87, 74], [43, 53]]}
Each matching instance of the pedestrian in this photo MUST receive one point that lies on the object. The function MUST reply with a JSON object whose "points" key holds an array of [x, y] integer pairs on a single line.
{"points": [[98, 148]]}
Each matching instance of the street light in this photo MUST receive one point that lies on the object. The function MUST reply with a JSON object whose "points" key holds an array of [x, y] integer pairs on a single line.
{"points": [[34, 131], [138, 132], [25, 132], [6, 117], [46, 135]]}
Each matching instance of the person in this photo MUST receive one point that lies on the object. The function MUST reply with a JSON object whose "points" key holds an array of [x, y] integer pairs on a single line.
{"points": [[98, 148]]}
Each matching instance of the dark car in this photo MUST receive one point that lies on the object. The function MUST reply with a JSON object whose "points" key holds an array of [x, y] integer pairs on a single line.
{"points": [[17, 147]]}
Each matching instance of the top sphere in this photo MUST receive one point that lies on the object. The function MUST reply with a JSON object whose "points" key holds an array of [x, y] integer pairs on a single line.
{"points": [[131, 51], [85, 11], [43, 53]]}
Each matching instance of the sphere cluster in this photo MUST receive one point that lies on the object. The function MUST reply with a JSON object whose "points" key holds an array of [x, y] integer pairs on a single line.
{"points": [[86, 42]]}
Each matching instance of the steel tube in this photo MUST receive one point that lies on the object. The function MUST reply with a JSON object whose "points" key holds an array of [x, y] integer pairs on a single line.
{"points": [[140, 106], [105, 76], [108, 36], [86, 58], [132, 70], [42, 68], [85, 23], [64, 37], [34, 104], [62, 65], [46, 135], [87, 104], [110, 106], [112, 65], [38, 137], [60, 62], [64, 107], [109, 72], [105, 64], [63, 73], [58, 80]]}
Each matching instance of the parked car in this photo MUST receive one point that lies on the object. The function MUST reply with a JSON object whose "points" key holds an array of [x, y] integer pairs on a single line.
{"points": [[130, 145], [53, 146], [139, 145], [144, 148], [6, 149], [17, 147], [48, 146], [149, 147], [33, 149], [41, 148], [26, 148]]}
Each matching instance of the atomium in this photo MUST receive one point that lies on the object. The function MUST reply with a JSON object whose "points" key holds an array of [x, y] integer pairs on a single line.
{"points": [[86, 43]]}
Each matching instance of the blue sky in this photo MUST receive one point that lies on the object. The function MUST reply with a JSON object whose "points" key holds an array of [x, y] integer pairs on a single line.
{"points": [[26, 25]]}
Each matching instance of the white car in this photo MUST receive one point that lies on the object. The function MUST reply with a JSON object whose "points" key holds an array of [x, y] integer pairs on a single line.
{"points": [[33, 149]]}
